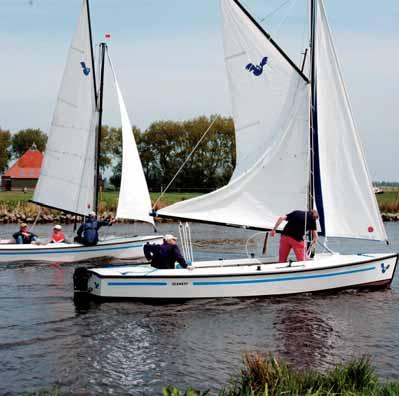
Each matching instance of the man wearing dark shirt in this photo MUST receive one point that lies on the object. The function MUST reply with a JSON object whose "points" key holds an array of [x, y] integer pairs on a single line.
{"points": [[165, 256], [88, 231], [298, 222]]}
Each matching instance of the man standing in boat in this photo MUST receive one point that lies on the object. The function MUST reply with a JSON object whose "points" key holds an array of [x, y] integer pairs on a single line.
{"points": [[165, 256], [88, 231], [292, 236]]}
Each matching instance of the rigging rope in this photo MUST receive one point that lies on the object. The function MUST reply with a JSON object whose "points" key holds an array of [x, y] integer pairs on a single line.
{"points": [[274, 11], [185, 162]]}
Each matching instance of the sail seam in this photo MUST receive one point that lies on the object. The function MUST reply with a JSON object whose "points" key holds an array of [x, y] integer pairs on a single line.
{"points": [[68, 103], [237, 55]]}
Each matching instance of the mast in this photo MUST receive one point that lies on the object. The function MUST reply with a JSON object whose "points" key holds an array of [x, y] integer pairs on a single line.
{"points": [[97, 175], [313, 103], [92, 52], [314, 189]]}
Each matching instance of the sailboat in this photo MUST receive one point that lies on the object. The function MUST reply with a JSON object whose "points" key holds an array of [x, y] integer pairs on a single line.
{"points": [[297, 148], [70, 175]]}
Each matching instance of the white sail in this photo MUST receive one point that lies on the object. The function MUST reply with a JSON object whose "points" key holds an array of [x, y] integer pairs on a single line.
{"points": [[134, 199], [271, 114], [67, 177], [349, 204]]}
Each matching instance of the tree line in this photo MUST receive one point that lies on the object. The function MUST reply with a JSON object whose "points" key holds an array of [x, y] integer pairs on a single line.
{"points": [[163, 147]]}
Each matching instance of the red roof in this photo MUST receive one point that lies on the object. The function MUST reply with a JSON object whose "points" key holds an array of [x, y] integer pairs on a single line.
{"points": [[27, 167]]}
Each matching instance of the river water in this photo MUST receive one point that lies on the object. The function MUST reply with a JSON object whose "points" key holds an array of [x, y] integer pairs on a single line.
{"points": [[137, 348]]}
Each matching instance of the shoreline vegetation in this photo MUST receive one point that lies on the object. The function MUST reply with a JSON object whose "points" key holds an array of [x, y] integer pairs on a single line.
{"points": [[268, 376], [15, 206]]}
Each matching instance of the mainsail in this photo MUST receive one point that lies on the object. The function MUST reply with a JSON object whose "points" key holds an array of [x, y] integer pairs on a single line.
{"points": [[134, 199], [349, 204], [271, 112], [67, 179]]}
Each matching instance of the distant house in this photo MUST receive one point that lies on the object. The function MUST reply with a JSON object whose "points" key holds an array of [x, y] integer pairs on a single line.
{"points": [[25, 172]]}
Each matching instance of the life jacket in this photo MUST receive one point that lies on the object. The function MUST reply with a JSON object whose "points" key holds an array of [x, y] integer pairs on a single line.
{"points": [[60, 237]]}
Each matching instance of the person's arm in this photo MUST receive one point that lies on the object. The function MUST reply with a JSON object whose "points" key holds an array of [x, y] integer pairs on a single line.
{"points": [[315, 237], [105, 223], [179, 258], [278, 222], [80, 230]]}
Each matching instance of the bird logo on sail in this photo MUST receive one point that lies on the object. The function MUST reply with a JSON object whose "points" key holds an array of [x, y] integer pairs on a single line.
{"points": [[86, 70], [257, 70], [384, 268]]}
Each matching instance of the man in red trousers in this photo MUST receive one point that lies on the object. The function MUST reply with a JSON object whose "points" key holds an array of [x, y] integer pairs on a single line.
{"points": [[298, 222]]}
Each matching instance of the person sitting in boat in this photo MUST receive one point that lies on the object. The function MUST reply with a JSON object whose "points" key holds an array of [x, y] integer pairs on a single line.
{"points": [[24, 236], [88, 231], [292, 236], [165, 256], [57, 235]]}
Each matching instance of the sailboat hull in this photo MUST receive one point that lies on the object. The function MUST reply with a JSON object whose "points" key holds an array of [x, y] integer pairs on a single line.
{"points": [[244, 278], [122, 248]]}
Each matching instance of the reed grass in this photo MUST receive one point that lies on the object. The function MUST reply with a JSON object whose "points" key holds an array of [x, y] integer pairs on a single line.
{"points": [[268, 376]]}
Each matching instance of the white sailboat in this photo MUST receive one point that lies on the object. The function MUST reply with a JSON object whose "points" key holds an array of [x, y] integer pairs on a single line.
{"points": [[70, 178], [297, 148]]}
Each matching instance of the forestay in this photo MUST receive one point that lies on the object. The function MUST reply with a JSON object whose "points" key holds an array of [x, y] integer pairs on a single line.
{"points": [[67, 177], [349, 202], [134, 199], [271, 113]]}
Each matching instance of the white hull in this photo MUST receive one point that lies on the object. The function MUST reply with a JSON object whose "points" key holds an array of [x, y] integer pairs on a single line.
{"points": [[243, 278], [122, 248]]}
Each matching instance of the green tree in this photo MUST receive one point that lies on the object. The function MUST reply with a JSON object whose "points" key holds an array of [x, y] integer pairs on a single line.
{"points": [[5, 155], [25, 139], [165, 145]]}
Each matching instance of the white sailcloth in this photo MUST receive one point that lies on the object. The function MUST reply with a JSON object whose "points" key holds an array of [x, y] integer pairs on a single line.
{"points": [[67, 179], [349, 202], [134, 199], [271, 114]]}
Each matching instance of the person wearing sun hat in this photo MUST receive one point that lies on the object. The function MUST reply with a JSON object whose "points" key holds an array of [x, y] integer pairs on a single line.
{"points": [[57, 236], [165, 256]]}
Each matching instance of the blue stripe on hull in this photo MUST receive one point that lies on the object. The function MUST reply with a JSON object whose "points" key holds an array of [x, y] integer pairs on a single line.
{"points": [[137, 284], [72, 250], [281, 279], [243, 282]]}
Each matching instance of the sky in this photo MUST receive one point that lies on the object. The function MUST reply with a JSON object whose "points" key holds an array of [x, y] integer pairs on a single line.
{"points": [[168, 56]]}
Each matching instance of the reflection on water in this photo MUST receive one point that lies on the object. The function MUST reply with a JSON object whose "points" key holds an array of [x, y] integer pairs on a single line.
{"points": [[136, 348]]}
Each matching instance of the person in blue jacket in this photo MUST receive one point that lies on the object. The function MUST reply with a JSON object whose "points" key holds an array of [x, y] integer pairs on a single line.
{"points": [[88, 231], [165, 256]]}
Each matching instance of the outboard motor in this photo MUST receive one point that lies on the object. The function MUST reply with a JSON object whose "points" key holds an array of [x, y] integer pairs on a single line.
{"points": [[81, 280]]}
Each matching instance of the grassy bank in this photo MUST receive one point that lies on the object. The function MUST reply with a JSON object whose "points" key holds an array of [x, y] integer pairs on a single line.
{"points": [[15, 206], [267, 376]]}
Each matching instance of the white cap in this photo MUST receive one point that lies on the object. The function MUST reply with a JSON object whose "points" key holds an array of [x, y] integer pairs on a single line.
{"points": [[168, 237], [92, 213], [57, 227]]}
